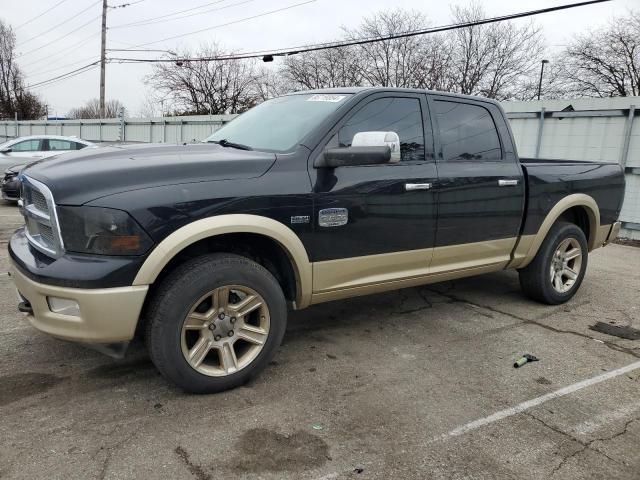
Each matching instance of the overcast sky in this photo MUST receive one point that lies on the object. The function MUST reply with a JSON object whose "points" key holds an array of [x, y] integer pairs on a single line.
{"points": [[44, 55]]}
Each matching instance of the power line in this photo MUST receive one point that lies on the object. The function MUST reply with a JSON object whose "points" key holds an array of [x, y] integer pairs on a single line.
{"points": [[141, 50], [62, 67], [67, 75], [63, 51], [125, 5], [40, 15], [184, 16], [122, 25], [361, 41], [60, 38], [322, 46], [91, 65], [230, 23], [59, 24]]}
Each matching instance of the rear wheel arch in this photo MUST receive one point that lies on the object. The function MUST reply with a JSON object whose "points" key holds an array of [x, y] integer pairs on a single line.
{"points": [[259, 238], [578, 208]]}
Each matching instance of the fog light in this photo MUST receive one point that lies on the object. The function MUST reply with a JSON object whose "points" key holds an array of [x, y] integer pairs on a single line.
{"points": [[63, 306]]}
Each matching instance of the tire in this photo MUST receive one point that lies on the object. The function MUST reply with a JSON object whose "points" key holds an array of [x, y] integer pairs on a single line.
{"points": [[537, 279], [196, 289]]}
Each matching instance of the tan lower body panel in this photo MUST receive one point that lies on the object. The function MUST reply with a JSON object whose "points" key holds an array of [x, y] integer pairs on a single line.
{"points": [[106, 314], [371, 269], [614, 232], [335, 279], [524, 253], [602, 235], [403, 283]]}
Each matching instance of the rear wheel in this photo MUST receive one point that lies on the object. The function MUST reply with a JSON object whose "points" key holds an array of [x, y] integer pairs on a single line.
{"points": [[556, 272], [215, 322]]}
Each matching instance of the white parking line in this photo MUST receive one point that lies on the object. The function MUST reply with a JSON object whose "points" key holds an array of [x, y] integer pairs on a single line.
{"points": [[536, 401]]}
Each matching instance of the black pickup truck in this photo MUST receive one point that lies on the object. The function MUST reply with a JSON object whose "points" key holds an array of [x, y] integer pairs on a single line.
{"points": [[306, 198]]}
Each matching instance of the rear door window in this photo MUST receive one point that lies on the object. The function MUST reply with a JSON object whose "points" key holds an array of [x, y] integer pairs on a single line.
{"points": [[467, 132], [55, 145]]}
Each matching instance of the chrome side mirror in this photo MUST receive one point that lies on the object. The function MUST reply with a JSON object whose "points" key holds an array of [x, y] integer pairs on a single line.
{"points": [[379, 139]]}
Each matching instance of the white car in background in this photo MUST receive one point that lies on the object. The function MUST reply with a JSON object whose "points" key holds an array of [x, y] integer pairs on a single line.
{"points": [[41, 146], [17, 153]]}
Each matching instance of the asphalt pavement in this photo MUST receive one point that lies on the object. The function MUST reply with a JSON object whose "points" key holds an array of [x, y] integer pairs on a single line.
{"points": [[413, 384]]}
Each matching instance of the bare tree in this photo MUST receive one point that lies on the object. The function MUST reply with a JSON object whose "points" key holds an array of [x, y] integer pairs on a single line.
{"points": [[605, 62], [271, 83], [14, 98], [337, 67], [214, 87], [91, 109], [494, 60], [152, 105], [497, 60], [417, 61]]}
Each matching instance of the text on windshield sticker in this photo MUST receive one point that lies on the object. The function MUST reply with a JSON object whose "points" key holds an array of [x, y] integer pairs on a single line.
{"points": [[323, 97]]}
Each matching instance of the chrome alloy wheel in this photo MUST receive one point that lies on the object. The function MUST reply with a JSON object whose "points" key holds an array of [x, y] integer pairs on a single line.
{"points": [[566, 265], [225, 330]]}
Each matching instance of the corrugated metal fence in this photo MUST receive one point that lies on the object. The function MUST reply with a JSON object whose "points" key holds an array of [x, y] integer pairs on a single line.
{"points": [[575, 129], [605, 129], [153, 130]]}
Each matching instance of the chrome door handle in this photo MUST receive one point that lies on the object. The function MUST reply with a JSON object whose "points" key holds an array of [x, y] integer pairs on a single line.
{"points": [[416, 186], [507, 183]]}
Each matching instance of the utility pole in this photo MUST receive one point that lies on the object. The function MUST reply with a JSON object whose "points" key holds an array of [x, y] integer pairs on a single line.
{"points": [[540, 82], [103, 55]]}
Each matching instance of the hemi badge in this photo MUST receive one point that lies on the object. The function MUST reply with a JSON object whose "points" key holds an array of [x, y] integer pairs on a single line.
{"points": [[300, 219], [333, 217]]}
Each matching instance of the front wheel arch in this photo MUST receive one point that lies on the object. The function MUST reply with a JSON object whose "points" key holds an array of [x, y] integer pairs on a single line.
{"points": [[236, 224]]}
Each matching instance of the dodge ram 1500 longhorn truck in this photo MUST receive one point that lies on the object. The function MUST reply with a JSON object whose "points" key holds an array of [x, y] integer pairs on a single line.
{"points": [[310, 197]]}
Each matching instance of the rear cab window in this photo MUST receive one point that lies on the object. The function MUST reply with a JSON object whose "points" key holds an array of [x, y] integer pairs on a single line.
{"points": [[467, 132]]}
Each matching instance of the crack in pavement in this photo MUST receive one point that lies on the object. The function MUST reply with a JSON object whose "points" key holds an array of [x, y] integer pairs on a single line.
{"points": [[196, 470], [528, 321], [586, 445], [404, 298], [110, 449]]}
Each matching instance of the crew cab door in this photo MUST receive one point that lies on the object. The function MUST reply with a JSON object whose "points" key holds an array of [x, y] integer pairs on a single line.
{"points": [[481, 189], [385, 215]]}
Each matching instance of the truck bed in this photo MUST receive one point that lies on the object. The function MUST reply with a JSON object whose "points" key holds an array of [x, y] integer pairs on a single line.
{"points": [[549, 180]]}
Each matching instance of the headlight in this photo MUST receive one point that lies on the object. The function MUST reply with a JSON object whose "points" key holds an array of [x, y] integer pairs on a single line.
{"points": [[102, 231]]}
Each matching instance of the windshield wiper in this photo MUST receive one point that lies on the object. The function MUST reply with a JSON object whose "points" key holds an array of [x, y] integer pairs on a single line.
{"points": [[226, 143]]}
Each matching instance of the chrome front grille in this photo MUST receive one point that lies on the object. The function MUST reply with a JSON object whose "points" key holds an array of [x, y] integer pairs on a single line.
{"points": [[39, 212], [38, 201], [46, 233]]}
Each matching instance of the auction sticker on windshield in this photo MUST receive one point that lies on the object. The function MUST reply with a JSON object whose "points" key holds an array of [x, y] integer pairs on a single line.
{"points": [[326, 98]]}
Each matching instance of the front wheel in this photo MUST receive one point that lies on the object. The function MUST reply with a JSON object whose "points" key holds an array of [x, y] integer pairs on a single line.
{"points": [[556, 272], [215, 322]]}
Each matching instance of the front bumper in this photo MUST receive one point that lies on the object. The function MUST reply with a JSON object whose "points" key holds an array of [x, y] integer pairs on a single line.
{"points": [[106, 315], [10, 189]]}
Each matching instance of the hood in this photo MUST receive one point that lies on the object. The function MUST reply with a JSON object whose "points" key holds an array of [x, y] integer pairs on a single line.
{"points": [[79, 177]]}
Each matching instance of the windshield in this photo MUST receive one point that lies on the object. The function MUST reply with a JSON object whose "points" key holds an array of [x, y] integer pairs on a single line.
{"points": [[280, 124]]}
